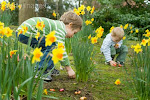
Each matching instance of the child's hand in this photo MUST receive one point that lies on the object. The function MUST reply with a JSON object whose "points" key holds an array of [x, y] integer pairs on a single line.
{"points": [[113, 63], [116, 46], [70, 72]]}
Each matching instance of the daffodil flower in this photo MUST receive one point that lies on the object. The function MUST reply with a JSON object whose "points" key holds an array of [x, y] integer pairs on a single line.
{"points": [[117, 82], [50, 38], [94, 40], [57, 54], [36, 55]]}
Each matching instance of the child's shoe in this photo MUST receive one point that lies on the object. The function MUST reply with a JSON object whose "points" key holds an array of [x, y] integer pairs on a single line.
{"points": [[55, 72], [46, 76], [107, 63]]}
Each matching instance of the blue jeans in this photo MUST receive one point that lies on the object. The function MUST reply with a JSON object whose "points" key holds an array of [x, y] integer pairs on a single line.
{"points": [[46, 59]]}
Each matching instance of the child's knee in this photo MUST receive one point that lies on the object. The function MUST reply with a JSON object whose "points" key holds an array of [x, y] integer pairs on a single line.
{"points": [[125, 48]]}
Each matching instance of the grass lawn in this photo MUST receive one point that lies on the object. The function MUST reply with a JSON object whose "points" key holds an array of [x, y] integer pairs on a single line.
{"points": [[101, 84]]}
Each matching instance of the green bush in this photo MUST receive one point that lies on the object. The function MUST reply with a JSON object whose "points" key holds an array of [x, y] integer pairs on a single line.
{"points": [[106, 17]]}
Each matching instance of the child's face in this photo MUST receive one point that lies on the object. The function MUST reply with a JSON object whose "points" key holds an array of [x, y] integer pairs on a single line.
{"points": [[116, 39], [71, 31]]}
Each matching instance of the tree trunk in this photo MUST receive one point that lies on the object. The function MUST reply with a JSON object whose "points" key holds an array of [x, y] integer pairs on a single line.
{"points": [[57, 7], [27, 11], [60, 9], [79, 3], [42, 9]]}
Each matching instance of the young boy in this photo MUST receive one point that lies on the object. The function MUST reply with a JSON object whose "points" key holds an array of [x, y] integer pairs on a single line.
{"points": [[68, 25], [112, 45]]}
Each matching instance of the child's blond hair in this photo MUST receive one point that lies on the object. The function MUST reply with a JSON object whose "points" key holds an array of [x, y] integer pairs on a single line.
{"points": [[71, 17], [118, 32]]}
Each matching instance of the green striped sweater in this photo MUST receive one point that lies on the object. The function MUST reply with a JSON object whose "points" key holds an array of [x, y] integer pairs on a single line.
{"points": [[50, 25]]}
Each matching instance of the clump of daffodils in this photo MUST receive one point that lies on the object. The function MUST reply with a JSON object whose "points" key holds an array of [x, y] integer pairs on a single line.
{"points": [[5, 31], [99, 32], [145, 42], [7, 5]]}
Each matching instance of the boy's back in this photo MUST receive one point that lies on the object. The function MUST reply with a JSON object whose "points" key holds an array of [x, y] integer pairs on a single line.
{"points": [[48, 26]]}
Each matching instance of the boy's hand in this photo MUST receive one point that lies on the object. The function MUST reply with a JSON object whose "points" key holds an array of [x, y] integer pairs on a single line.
{"points": [[116, 46], [70, 72], [113, 63]]}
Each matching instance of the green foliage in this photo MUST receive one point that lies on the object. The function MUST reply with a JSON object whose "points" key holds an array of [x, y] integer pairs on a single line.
{"points": [[141, 74], [5, 17], [115, 14], [83, 53], [106, 17], [17, 72]]}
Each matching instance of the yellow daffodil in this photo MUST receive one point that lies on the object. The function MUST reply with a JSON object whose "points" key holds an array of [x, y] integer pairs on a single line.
{"points": [[50, 38], [89, 37], [7, 31], [148, 41], [60, 45], [82, 7], [92, 19], [147, 31], [126, 26], [3, 7], [131, 31], [118, 82], [94, 40], [99, 35], [3, 3], [111, 28], [54, 14], [57, 54], [24, 28], [45, 91], [99, 31], [136, 30], [131, 27], [77, 12], [79, 9], [13, 52], [144, 42], [137, 48], [147, 35], [121, 26], [124, 38], [75, 9], [8, 5], [92, 11], [2, 32], [132, 46], [37, 35], [1, 25], [88, 8], [40, 25], [20, 32], [12, 6], [19, 6], [87, 22], [82, 12], [37, 54]]}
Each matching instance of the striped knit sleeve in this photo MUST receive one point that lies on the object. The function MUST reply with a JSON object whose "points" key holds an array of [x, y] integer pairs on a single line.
{"points": [[60, 35], [105, 48]]}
